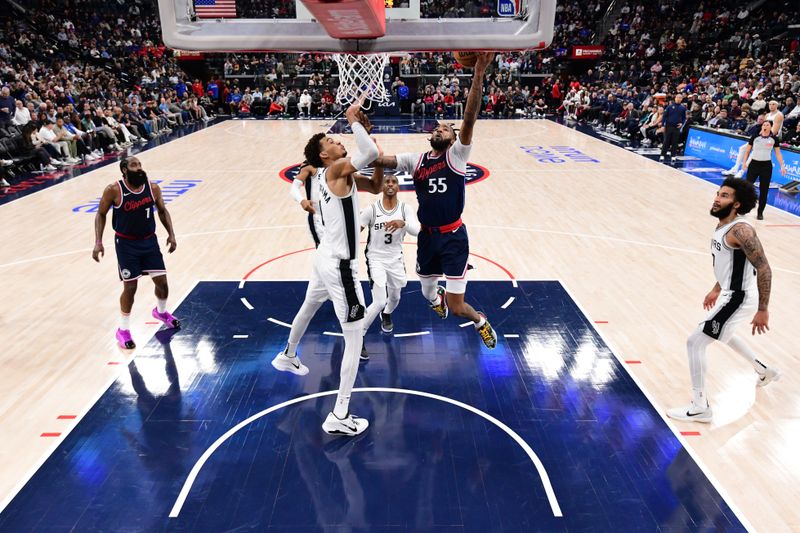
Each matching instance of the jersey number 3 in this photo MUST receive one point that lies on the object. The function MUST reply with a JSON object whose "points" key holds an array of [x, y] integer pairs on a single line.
{"points": [[437, 185], [387, 238]]}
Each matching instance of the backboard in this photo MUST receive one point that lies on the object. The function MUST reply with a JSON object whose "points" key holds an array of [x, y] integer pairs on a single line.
{"points": [[411, 26]]}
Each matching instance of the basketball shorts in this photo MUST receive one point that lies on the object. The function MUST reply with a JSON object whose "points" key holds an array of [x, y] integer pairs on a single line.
{"points": [[337, 280], [316, 228], [387, 273], [137, 258], [732, 308], [444, 254]]}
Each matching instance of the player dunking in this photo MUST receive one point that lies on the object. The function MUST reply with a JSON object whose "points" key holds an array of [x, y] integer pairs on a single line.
{"points": [[744, 280], [335, 273], [133, 199], [388, 220], [440, 183], [308, 179]]}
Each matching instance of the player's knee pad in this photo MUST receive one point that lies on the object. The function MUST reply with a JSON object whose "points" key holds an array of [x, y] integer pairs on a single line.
{"points": [[456, 286]]}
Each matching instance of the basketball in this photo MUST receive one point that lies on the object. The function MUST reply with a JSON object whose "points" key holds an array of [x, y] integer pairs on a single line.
{"points": [[467, 59]]}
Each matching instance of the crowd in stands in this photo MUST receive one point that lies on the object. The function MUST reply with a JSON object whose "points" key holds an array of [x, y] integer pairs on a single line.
{"points": [[82, 78], [727, 62]]}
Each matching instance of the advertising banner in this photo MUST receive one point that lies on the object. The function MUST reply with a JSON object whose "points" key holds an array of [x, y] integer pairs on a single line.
{"points": [[723, 149]]}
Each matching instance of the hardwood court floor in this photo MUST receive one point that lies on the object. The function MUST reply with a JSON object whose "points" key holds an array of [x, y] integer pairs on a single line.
{"points": [[626, 235]]}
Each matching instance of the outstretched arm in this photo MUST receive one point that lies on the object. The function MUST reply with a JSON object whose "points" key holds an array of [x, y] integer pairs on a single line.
{"points": [[474, 99], [367, 149], [385, 161], [373, 184], [744, 237]]}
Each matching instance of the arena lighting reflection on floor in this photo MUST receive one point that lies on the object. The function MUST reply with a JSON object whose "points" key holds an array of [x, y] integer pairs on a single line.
{"points": [[424, 465]]}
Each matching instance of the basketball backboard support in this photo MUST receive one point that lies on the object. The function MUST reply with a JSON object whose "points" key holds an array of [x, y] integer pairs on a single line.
{"points": [[410, 27]]}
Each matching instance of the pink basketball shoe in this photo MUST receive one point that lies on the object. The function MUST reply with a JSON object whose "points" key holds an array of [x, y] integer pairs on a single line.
{"points": [[167, 318]]}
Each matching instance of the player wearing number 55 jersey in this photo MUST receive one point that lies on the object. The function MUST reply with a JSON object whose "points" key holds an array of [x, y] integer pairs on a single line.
{"points": [[440, 183], [387, 221], [743, 286]]}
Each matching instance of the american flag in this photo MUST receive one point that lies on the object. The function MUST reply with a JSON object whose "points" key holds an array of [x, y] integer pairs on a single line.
{"points": [[215, 9]]}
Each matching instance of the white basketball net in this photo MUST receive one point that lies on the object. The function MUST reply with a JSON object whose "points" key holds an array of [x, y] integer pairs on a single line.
{"points": [[361, 75]]}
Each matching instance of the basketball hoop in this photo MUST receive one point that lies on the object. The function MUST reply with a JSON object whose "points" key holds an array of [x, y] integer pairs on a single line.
{"points": [[361, 76]]}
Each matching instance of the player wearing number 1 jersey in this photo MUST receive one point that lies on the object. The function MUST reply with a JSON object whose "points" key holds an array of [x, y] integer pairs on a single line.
{"points": [[134, 199], [335, 272], [440, 184], [387, 222]]}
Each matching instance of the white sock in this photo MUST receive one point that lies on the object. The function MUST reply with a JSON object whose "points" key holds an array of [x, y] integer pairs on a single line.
{"points": [[347, 375], [738, 345], [161, 305], [699, 398], [291, 349], [125, 321], [481, 322]]}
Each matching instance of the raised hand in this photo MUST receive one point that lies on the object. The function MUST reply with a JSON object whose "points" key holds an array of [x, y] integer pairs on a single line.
{"points": [[483, 61]]}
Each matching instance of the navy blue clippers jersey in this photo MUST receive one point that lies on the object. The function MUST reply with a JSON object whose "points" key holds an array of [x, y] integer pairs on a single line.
{"points": [[440, 190], [134, 217]]}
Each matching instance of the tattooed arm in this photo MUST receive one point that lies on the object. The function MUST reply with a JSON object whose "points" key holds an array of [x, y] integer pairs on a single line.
{"points": [[385, 161], [743, 236], [473, 105]]}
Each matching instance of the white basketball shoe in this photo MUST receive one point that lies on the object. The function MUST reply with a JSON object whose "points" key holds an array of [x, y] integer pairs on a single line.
{"points": [[284, 363], [691, 413], [349, 426], [770, 375]]}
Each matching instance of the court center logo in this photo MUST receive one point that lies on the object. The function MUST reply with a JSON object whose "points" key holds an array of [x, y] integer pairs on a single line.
{"points": [[475, 173]]}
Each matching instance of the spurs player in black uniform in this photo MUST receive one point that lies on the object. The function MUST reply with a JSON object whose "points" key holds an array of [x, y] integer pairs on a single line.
{"points": [[744, 281], [335, 273], [440, 183], [134, 199]]}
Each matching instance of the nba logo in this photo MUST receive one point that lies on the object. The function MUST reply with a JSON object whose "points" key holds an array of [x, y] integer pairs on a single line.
{"points": [[507, 8]]}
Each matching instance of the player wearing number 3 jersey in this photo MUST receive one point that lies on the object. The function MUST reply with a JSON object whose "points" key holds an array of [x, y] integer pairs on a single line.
{"points": [[440, 183], [387, 221]]}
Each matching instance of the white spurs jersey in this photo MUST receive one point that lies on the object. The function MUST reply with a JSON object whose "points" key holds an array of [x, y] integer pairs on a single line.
{"points": [[733, 270], [382, 245], [339, 215]]}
